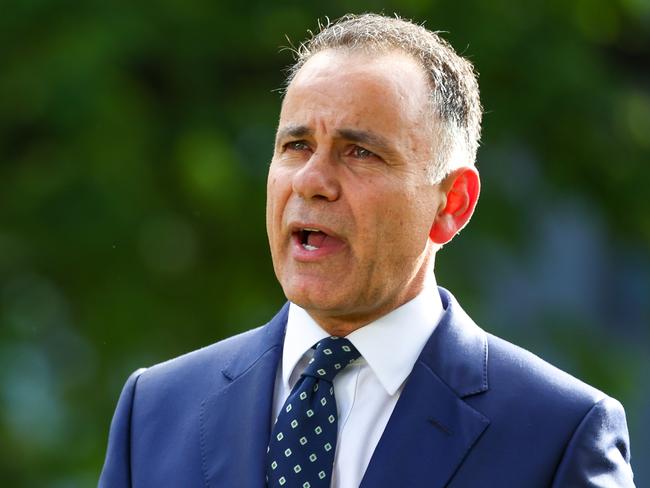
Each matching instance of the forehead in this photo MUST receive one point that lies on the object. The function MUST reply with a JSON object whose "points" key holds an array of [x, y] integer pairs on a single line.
{"points": [[387, 91]]}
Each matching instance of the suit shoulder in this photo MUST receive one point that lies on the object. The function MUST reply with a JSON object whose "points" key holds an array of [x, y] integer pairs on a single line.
{"points": [[208, 367], [216, 352], [195, 369], [514, 369], [579, 433]]}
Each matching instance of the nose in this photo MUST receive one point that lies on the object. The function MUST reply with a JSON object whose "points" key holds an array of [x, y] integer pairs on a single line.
{"points": [[317, 179]]}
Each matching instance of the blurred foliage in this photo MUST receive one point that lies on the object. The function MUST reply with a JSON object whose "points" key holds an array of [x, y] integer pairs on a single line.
{"points": [[134, 141]]}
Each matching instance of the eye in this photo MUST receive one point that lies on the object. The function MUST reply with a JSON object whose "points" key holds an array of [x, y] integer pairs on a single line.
{"points": [[296, 146], [362, 153]]}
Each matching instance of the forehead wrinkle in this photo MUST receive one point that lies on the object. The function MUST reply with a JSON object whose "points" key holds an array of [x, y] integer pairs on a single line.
{"points": [[329, 82]]}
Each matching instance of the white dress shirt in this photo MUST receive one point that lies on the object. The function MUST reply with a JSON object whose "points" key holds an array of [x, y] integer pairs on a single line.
{"points": [[367, 390]]}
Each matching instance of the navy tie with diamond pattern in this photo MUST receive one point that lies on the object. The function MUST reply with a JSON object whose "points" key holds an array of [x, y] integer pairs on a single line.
{"points": [[302, 444]]}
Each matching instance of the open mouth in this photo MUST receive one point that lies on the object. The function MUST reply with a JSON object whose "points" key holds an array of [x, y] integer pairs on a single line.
{"points": [[311, 239]]}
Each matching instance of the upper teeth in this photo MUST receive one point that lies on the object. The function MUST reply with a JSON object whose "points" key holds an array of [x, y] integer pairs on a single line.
{"points": [[307, 229]]}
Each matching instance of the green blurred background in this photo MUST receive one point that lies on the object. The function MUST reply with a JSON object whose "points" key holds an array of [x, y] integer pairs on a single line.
{"points": [[134, 142]]}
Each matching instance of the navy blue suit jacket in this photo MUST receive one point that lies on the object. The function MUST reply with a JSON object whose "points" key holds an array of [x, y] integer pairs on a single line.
{"points": [[475, 411]]}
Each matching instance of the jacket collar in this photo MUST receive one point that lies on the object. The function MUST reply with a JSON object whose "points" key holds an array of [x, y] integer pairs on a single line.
{"points": [[457, 351], [260, 341]]}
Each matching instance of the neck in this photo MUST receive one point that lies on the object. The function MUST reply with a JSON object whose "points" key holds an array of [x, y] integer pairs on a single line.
{"points": [[342, 324]]}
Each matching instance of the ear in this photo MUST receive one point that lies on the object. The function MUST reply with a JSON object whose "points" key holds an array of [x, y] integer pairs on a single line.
{"points": [[460, 193]]}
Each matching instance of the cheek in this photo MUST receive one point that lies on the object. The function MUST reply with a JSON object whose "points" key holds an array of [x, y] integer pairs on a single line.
{"points": [[278, 192], [274, 193], [279, 181], [403, 226], [271, 211], [380, 224]]}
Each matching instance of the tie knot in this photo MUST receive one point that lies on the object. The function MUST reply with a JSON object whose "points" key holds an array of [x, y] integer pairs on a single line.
{"points": [[332, 355]]}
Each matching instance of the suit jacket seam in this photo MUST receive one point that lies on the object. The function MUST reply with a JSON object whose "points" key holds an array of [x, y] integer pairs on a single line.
{"points": [[138, 374], [204, 461], [569, 441], [484, 384]]}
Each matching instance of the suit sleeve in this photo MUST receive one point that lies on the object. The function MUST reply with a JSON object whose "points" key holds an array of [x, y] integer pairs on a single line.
{"points": [[117, 465], [598, 454]]}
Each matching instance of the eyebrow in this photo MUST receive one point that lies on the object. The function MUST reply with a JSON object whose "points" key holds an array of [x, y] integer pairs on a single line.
{"points": [[293, 131]]}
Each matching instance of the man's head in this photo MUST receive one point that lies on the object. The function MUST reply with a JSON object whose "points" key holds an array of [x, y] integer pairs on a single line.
{"points": [[354, 216]]}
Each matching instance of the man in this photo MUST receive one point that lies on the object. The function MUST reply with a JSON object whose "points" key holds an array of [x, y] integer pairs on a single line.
{"points": [[371, 375]]}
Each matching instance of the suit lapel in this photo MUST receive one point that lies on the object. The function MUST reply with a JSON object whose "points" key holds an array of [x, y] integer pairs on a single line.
{"points": [[236, 420], [432, 428]]}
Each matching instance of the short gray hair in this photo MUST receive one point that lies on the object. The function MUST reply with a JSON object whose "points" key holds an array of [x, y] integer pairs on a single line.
{"points": [[454, 87]]}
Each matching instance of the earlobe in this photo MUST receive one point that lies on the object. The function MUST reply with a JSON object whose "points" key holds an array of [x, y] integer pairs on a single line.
{"points": [[461, 188]]}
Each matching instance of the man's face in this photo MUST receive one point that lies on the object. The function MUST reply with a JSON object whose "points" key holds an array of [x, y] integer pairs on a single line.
{"points": [[349, 207]]}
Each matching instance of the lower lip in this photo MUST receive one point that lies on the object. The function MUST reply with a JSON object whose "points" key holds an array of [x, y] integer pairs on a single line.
{"points": [[332, 246]]}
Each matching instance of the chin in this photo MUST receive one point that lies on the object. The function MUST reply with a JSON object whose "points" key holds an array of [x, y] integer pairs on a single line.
{"points": [[314, 298], [307, 300]]}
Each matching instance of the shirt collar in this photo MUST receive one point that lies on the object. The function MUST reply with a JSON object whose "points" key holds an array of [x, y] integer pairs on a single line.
{"points": [[409, 325]]}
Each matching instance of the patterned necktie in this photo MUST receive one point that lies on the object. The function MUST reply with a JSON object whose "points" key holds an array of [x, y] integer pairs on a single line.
{"points": [[302, 444]]}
